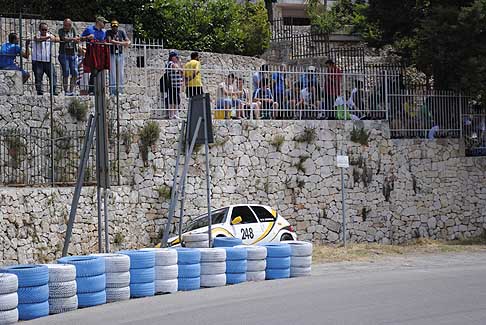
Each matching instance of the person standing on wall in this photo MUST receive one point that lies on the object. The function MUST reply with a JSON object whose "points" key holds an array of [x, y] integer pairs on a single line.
{"points": [[41, 58], [9, 51], [119, 39], [67, 56], [192, 76], [175, 80]]}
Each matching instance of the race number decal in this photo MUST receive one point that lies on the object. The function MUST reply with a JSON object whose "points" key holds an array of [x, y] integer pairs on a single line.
{"points": [[247, 233]]}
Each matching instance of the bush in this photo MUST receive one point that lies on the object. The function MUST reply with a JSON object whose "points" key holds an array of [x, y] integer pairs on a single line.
{"points": [[149, 135], [78, 109]]}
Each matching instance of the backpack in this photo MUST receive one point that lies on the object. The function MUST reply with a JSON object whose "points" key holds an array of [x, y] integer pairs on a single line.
{"points": [[165, 81]]}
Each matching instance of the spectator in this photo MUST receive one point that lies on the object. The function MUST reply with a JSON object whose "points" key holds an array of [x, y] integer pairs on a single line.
{"points": [[333, 83], [264, 98], [244, 98], [119, 39], [9, 51], [259, 75], [94, 33], [67, 55], [192, 76], [309, 77], [280, 83], [174, 72], [41, 58], [227, 97]]}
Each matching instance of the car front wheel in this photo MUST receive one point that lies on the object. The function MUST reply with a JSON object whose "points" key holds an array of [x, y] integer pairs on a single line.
{"points": [[286, 237]]}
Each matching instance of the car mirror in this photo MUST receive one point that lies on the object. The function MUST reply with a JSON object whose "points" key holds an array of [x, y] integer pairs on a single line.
{"points": [[236, 220]]}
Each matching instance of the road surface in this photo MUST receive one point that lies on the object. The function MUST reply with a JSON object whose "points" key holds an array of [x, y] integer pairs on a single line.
{"points": [[431, 289]]}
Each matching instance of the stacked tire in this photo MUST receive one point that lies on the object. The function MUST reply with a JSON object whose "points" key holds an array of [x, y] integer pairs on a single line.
{"points": [[196, 240], [189, 269], [213, 267], [256, 262], [301, 258], [226, 242], [9, 300], [236, 264], [142, 273], [90, 279], [62, 288], [278, 261], [117, 273], [33, 290], [166, 270]]}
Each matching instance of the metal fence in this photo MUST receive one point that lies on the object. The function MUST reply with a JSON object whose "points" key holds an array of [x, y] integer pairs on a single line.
{"points": [[474, 130]]}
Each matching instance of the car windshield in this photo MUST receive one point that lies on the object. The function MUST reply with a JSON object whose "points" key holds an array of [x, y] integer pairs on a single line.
{"points": [[218, 216]]}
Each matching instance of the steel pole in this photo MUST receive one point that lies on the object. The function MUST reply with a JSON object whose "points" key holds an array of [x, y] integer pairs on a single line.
{"points": [[208, 175]]}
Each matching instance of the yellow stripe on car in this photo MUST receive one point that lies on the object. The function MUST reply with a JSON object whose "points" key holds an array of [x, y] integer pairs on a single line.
{"points": [[265, 233], [221, 230]]}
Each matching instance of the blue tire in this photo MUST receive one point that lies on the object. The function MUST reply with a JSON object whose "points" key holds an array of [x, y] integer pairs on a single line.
{"points": [[142, 275], [91, 299], [235, 278], [29, 275], [189, 270], [33, 295], [85, 265], [278, 250], [188, 284], [236, 266], [188, 256], [278, 262], [32, 311], [90, 284], [236, 253], [140, 259], [138, 290], [226, 242], [272, 274]]}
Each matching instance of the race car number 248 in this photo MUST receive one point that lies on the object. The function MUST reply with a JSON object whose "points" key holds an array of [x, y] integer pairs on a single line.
{"points": [[247, 233]]}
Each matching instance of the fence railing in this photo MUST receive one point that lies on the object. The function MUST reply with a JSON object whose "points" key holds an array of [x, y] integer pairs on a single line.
{"points": [[474, 131]]}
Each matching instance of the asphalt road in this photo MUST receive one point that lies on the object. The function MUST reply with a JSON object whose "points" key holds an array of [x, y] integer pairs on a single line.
{"points": [[445, 289]]}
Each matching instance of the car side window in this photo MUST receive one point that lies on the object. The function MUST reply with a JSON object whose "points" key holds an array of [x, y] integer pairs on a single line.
{"points": [[245, 213], [263, 214]]}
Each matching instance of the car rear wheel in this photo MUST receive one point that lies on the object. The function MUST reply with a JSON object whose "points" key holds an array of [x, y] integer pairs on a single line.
{"points": [[286, 237]]}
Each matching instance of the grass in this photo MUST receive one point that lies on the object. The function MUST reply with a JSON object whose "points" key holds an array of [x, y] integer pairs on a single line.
{"points": [[370, 252]]}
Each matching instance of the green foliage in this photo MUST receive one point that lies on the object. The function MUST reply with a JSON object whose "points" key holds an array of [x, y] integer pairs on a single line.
{"points": [[359, 135], [149, 135], [222, 26], [78, 109], [300, 164], [119, 238], [165, 192], [308, 136], [278, 141]]}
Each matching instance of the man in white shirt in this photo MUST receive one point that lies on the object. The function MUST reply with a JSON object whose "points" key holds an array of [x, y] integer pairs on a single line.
{"points": [[41, 58]]}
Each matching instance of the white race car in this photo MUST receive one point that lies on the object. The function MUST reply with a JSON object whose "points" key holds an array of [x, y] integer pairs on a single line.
{"points": [[252, 223]]}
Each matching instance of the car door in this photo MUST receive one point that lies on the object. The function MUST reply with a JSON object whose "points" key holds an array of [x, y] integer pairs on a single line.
{"points": [[249, 228], [267, 223]]}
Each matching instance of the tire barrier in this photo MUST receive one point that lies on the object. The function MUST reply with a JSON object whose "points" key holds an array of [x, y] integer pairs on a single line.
{"points": [[166, 269], [256, 262], [62, 288], [9, 300], [301, 258], [196, 240], [236, 264], [32, 293], [226, 242], [278, 261], [90, 282], [189, 268], [117, 276], [142, 273], [213, 267]]}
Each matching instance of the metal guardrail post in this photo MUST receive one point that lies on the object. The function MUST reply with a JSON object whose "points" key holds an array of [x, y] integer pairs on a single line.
{"points": [[386, 96]]}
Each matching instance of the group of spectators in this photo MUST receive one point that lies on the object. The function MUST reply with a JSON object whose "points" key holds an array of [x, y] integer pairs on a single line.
{"points": [[71, 55]]}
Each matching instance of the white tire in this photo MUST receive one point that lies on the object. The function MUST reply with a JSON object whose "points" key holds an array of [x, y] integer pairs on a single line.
{"points": [[61, 272], [213, 280], [197, 244], [255, 276], [9, 316], [117, 294], [211, 268], [300, 248], [300, 271], [8, 283], [195, 238], [169, 272], [63, 305], [213, 254], [301, 261], [9, 301], [117, 280], [256, 265], [163, 256], [166, 286], [255, 252], [62, 289], [115, 263]]}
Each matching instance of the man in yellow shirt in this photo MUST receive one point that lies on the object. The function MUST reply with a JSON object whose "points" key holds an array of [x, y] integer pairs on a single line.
{"points": [[192, 76]]}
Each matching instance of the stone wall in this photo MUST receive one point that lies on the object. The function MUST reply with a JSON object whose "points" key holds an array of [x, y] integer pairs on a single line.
{"points": [[10, 83], [397, 190]]}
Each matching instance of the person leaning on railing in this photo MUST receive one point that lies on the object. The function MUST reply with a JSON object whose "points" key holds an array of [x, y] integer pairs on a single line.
{"points": [[41, 58], [119, 39], [9, 51], [67, 56]]}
